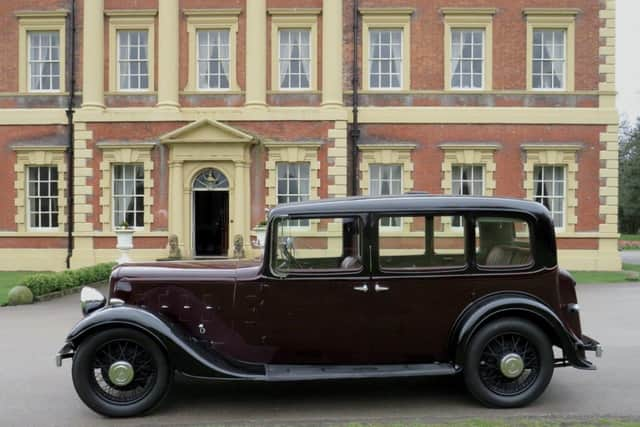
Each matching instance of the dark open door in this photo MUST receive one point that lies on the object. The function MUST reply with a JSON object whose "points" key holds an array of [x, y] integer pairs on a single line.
{"points": [[211, 223]]}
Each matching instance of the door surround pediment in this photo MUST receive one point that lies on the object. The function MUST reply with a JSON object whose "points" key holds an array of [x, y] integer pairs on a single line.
{"points": [[207, 131]]}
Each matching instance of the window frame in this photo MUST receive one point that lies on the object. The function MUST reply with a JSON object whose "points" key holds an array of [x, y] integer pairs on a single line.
{"points": [[143, 20], [271, 256], [401, 73], [135, 195], [198, 60], [558, 227], [54, 21], [473, 228], [119, 60], [469, 19], [387, 228], [392, 19], [211, 19], [28, 198], [483, 172], [552, 19], [300, 224], [375, 221], [304, 19]]}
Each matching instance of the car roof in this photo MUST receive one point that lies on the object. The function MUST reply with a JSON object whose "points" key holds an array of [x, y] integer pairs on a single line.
{"points": [[408, 203]]}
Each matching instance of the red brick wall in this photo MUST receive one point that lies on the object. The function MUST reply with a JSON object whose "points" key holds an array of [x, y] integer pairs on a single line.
{"points": [[135, 132], [241, 38], [509, 176], [509, 40], [282, 131], [10, 135]]}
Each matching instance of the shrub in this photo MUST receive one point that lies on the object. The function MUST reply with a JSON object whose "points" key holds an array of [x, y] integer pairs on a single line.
{"points": [[41, 284]]}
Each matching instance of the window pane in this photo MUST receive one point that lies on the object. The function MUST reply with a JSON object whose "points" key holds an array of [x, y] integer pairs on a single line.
{"points": [[549, 59], [385, 180], [133, 66], [503, 242], [549, 186], [335, 246], [295, 59], [467, 57], [128, 195], [426, 246], [385, 58], [42, 193]]}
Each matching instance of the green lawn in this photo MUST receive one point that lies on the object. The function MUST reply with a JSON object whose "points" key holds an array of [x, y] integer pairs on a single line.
{"points": [[631, 237], [9, 279], [584, 277]]}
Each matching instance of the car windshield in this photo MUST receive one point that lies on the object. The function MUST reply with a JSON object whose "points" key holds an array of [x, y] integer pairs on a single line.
{"points": [[316, 244]]}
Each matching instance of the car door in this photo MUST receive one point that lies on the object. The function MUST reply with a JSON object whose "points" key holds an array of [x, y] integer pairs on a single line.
{"points": [[315, 310], [419, 285]]}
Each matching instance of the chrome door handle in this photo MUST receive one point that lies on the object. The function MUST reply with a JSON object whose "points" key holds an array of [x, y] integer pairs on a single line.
{"points": [[379, 288], [362, 288]]}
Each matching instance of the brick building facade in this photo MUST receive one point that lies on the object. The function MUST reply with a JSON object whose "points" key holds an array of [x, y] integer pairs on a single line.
{"points": [[191, 117]]}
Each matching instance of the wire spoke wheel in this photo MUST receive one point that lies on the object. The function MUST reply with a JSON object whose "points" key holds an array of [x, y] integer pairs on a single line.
{"points": [[509, 364], [123, 372]]}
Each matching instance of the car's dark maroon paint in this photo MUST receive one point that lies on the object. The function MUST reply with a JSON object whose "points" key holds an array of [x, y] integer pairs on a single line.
{"points": [[243, 312], [491, 308]]}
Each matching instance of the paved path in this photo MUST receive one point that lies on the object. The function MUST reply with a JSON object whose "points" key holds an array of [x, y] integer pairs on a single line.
{"points": [[33, 392], [631, 257]]}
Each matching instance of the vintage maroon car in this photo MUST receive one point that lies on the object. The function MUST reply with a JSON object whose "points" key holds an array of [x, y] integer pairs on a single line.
{"points": [[415, 285]]}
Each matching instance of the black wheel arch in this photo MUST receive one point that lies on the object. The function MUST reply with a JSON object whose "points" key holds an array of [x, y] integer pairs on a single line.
{"points": [[183, 354], [520, 305]]}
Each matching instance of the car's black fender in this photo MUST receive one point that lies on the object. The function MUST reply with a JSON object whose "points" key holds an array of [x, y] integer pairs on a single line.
{"points": [[185, 355], [521, 305]]}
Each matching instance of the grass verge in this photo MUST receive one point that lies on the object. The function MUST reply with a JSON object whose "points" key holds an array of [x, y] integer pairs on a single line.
{"points": [[586, 277], [9, 279]]}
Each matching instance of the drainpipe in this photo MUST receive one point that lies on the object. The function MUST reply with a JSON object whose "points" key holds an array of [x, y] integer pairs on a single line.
{"points": [[70, 127], [354, 133]]}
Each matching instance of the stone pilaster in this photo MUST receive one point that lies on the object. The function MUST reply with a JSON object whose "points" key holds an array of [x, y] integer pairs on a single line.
{"points": [[337, 159], [93, 55]]}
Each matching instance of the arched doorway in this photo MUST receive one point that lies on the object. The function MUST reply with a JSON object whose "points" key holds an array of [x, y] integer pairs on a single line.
{"points": [[210, 213]]}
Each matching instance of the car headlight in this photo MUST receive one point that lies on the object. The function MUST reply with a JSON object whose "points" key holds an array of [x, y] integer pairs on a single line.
{"points": [[91, 299]]}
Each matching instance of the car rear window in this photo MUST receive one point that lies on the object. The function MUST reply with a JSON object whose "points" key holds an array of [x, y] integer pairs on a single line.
{"points": [[503, 242]]}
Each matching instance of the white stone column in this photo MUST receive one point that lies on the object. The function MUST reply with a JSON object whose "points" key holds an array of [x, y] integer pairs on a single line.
{"points": [[93, 55], [168, 54], [332, 31], [256, 51]]}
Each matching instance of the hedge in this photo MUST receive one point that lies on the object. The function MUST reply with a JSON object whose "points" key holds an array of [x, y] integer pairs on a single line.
{"points": [[41, 284]]}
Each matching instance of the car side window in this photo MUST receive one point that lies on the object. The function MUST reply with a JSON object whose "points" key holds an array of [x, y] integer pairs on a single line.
{"points": [[421, 242], [326, 245], [503, 242]]}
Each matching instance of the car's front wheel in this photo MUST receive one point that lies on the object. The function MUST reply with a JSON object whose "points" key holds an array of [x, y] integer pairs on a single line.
{"points": [[509, 363], [121, 372]]}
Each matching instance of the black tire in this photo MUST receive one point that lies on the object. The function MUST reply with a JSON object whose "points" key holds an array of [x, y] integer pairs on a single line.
{"points": [[483, 376], [151, 380]]}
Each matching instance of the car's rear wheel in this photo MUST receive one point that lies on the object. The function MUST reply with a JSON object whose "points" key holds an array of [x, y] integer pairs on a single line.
{"points": [[509, 363], [121, 372]]}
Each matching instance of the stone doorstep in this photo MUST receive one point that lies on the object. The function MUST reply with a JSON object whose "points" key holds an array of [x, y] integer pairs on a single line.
{"points": [[65, 292]]}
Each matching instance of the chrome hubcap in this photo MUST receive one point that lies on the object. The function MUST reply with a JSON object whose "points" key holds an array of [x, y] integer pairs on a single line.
{"points": [[121, 373], [511, 365]]}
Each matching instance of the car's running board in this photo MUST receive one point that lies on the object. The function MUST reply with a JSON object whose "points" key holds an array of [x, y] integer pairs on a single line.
{"points": [[323, 372]]}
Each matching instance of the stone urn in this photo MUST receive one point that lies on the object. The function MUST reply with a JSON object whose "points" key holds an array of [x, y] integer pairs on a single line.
{"points": [[261, 234], [124, 243]]}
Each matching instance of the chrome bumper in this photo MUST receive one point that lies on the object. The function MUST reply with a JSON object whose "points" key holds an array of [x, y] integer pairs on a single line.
{"points": [[65, 352], [589, 344]]}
